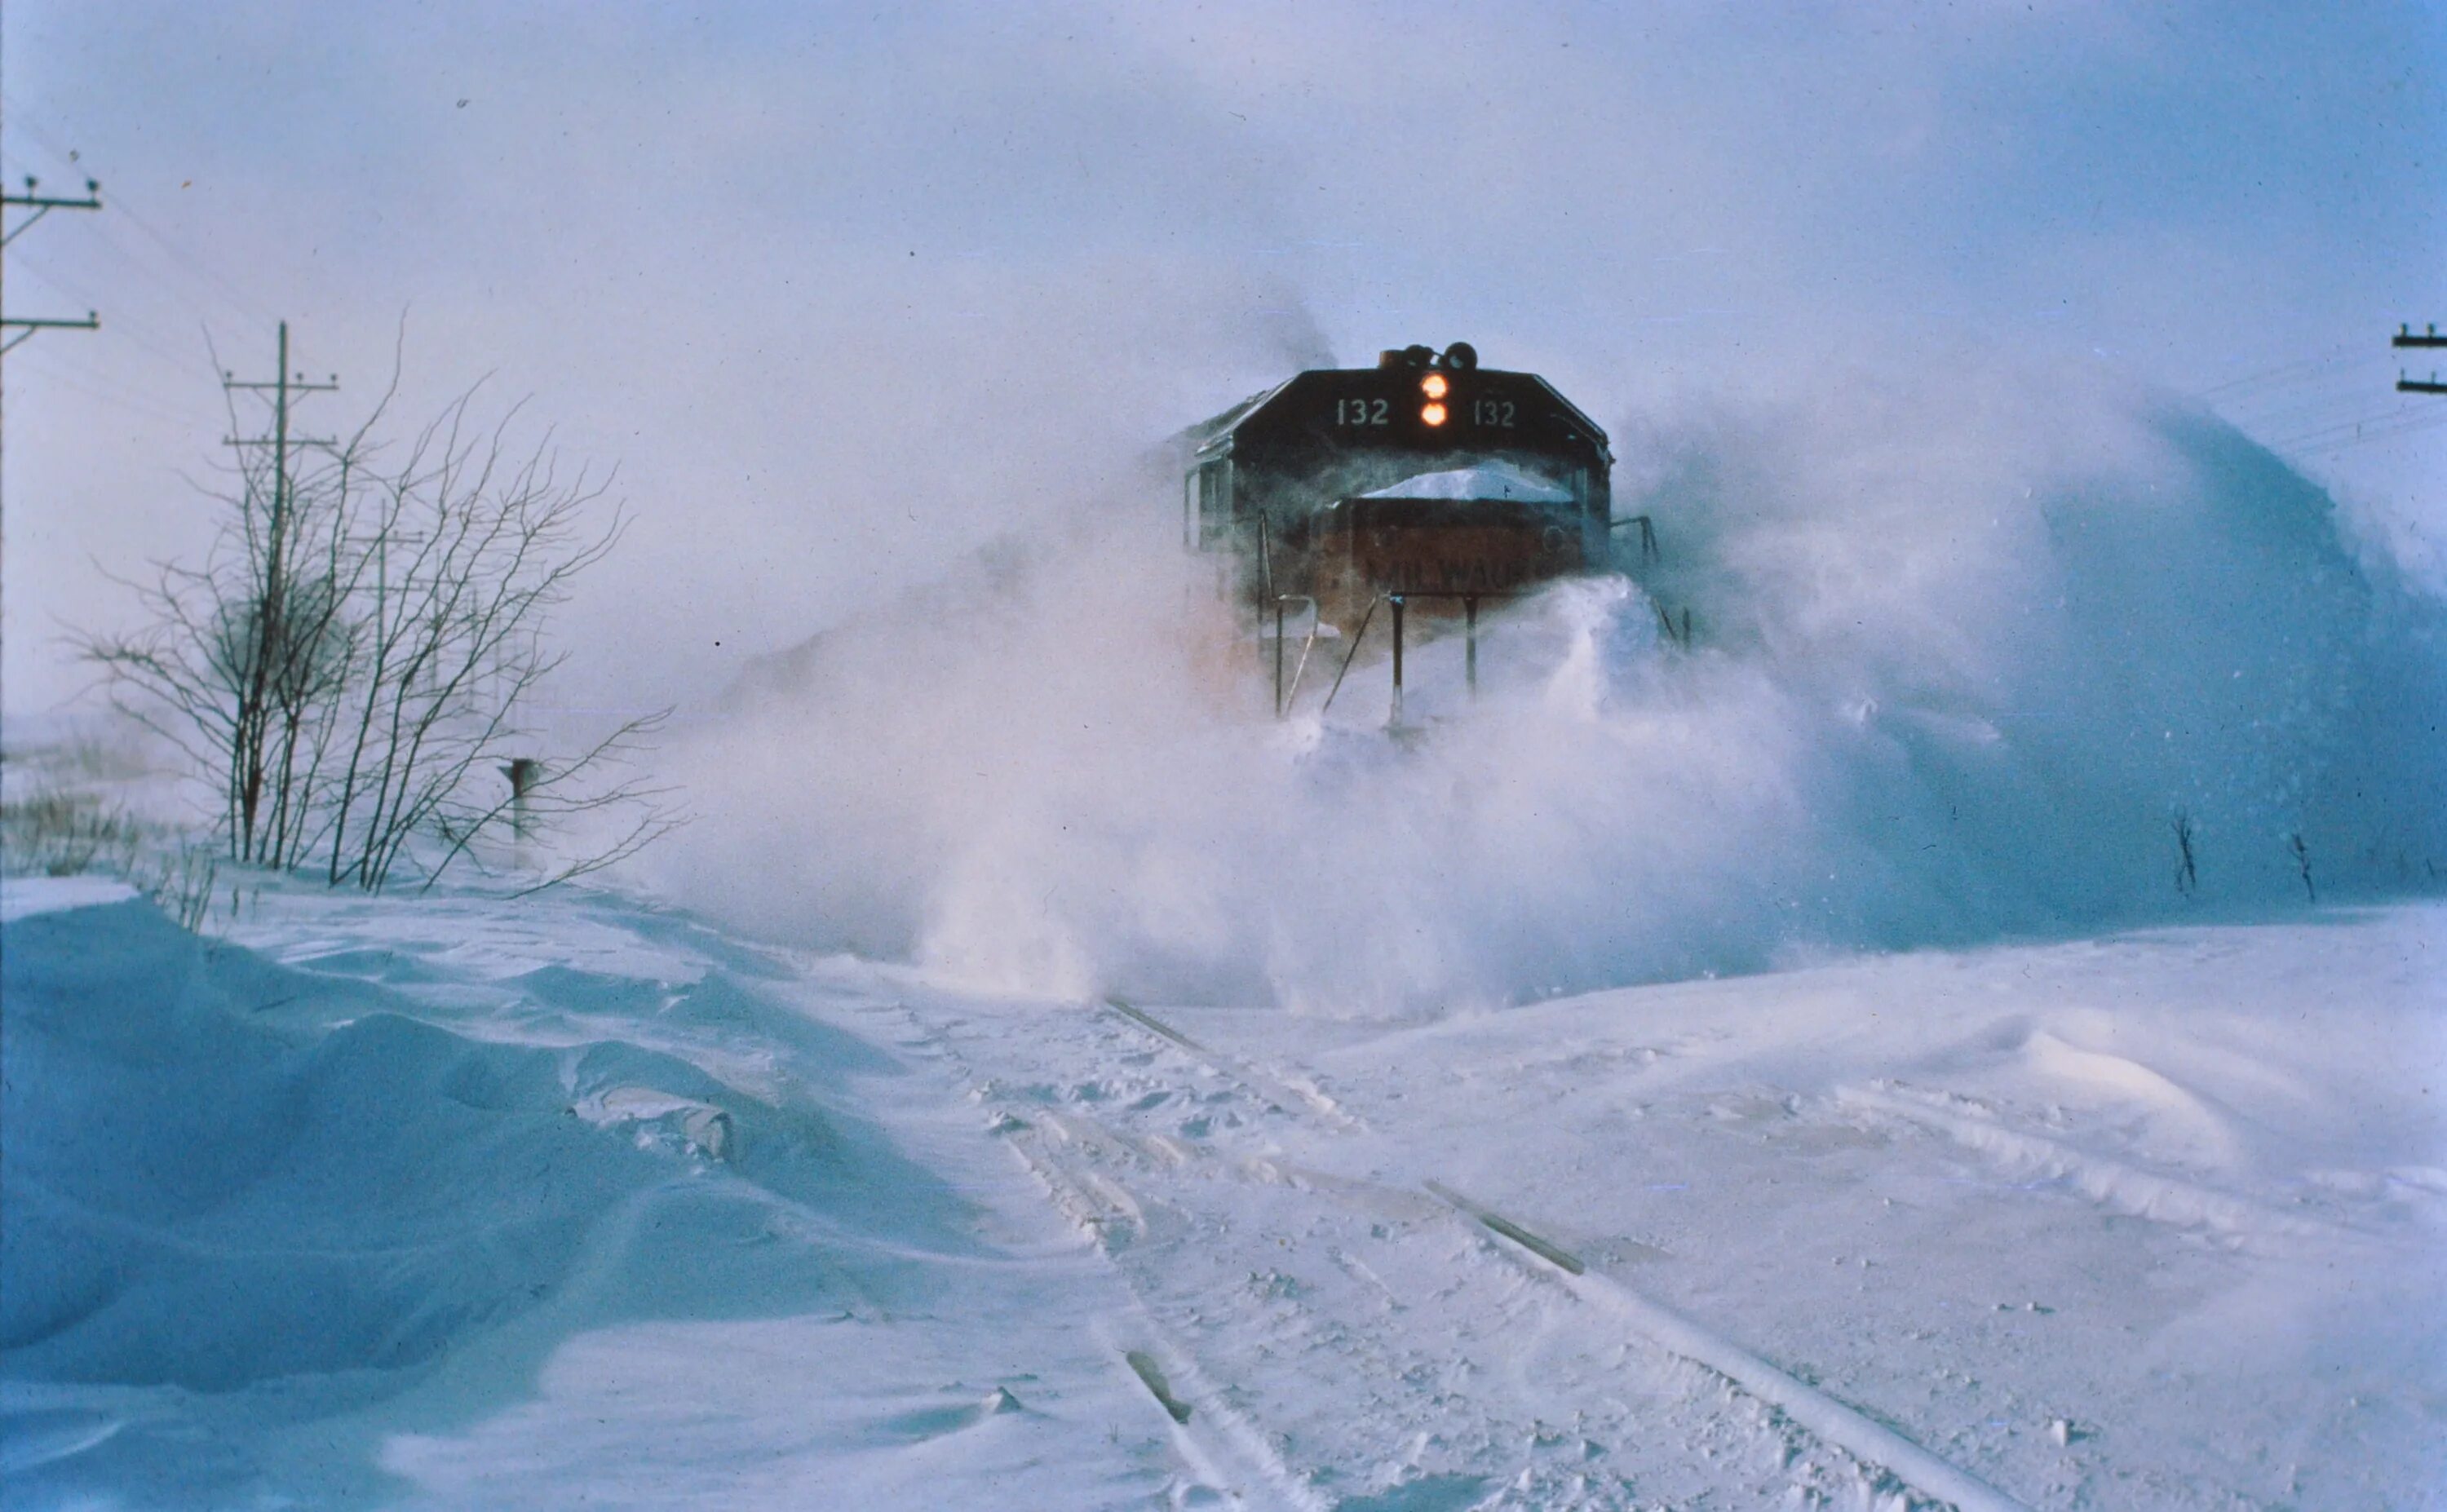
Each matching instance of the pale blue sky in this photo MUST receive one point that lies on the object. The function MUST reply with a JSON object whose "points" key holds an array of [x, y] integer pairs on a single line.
{"points": [[844, 289]]}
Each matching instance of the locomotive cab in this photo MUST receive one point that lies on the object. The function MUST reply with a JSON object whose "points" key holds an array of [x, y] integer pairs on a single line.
{"points": [[1426, 480]]}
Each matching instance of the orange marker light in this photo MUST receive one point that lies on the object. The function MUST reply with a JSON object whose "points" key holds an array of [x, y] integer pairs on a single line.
{"points": [[1432, 414], [1433, 385]]}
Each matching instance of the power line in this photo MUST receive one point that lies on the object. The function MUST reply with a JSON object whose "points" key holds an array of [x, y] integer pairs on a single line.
{"points": [[48, 363], [134, 404], [2283, 376], [194, 267], [2311, 410], [184, 260], [127, 324], [2361, 432], [25, 327]]}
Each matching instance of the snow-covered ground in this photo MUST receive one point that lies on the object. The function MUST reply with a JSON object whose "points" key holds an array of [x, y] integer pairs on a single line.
{"points": [[1964, 1026], [476, 1204], [463, 1202]]}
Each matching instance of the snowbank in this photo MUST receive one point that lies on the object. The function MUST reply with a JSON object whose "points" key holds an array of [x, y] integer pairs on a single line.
{"points": [[198, 1198], [337, 1234], [25, 896]]}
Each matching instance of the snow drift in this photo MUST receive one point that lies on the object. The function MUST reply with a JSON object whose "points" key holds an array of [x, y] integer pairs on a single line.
{"points": [[224, 1175], [2002, 653], [484, 1199], [200, 1198]]}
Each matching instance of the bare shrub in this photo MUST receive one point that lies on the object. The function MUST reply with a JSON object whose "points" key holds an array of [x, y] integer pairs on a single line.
{"points": [[357, 654]]}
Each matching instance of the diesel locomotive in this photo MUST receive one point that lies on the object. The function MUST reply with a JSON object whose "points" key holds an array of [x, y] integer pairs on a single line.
{"points": [[1425, 486]]}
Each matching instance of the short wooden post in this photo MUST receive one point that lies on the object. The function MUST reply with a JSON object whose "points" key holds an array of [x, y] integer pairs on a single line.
{"points": [[523, 773]]}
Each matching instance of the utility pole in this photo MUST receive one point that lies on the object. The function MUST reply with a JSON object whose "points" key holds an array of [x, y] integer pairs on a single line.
{"points": [[24, 328], [2406, 337], [42, 205], [250, 747]]}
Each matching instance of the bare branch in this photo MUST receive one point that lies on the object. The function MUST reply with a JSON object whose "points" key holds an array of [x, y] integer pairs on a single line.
{"points": [[352, 658]]}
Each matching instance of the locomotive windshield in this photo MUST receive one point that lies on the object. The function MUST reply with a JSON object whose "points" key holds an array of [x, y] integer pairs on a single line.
{"points": [[1491, 480]]}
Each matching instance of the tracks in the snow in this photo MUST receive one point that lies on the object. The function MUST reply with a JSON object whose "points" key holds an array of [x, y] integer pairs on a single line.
{"points": [[1071, 1153], [1287, 1094], [1841, 1427], [1227, 1455]]}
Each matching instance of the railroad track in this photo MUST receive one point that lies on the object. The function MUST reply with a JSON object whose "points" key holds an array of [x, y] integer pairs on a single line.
{"points": [[1146, 1197]]}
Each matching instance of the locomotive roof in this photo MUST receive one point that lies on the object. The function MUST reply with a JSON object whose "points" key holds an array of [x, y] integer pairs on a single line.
{"points": [[1214, 426], [1216, 432]]}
